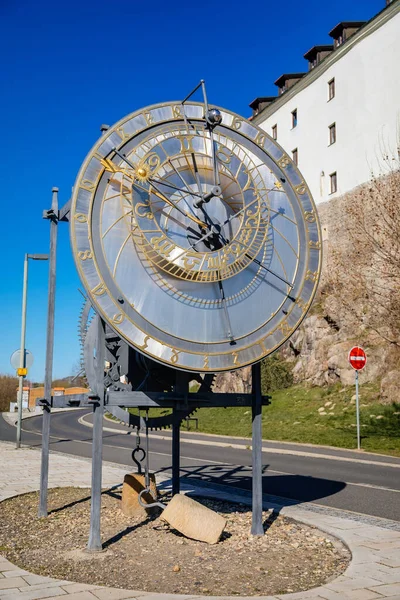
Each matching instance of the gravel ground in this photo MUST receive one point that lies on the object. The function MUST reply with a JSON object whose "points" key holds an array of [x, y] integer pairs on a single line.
{"points": [[143, 553]]}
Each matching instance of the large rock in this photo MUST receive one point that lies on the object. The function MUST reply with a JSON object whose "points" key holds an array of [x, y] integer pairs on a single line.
{"points": [[193, 519], [390, 388], [234, 382], [132, 486]]}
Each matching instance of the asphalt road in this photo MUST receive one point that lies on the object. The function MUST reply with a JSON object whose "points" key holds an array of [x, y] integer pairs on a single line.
{"points": [[347, 480]]}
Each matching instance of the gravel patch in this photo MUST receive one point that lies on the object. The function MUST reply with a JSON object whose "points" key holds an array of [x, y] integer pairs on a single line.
{"points": [[143, 553]]}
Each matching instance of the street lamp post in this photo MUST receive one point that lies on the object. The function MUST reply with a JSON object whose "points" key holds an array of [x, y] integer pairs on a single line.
{"points": [[22, 364]]}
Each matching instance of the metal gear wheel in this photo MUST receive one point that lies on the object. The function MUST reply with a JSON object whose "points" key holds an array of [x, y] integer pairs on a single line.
{"points": [[129, 370]]}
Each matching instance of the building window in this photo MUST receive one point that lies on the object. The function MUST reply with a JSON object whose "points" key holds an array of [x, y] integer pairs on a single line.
{"points": [[275, 132], [332, 134], [333, 178], [295, 156], [331, 89], [294, 118]]}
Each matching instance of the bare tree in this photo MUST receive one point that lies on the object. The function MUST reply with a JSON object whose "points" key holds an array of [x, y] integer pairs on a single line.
{"points": [[364, 272], [8, 391]]}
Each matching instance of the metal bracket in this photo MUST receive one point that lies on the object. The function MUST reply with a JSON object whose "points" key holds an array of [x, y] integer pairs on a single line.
{"points": [[51, 215], [63, 213]]}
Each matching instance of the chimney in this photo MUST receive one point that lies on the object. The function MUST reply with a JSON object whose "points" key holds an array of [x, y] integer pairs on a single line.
{"points": [[343, 31], [317, 54], [287, 80], [260, 103]]}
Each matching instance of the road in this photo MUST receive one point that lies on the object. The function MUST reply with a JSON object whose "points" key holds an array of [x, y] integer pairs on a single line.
{"points": [[348, 480]]}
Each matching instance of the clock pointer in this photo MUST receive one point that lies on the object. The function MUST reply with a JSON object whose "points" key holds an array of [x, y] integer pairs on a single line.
{"points": [[223, 300], [159, 194], [152, 179], [255, 260]]}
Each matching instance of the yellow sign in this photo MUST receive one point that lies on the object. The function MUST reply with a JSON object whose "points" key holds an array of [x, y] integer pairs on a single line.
{"points": [[22, 372]]}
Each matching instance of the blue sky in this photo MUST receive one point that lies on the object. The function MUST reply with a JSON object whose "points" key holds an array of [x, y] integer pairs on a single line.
{"points": [[68, 67]]}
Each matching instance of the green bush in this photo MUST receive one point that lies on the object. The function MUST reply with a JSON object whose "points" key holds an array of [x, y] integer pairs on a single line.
{"points": [[276, 374]]}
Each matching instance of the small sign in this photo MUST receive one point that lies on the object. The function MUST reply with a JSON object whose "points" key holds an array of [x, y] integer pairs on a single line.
{"points": [[16, 359], [22, 372], [357, 358]]}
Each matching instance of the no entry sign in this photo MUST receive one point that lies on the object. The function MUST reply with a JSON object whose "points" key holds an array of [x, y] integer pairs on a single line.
{"points": [[357, 358]]}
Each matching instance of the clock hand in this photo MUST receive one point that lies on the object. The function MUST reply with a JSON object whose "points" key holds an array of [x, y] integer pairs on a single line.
{"points": [[160, 194], [204, 237], [174, 205], [196, 173], [159, 181], [214, 159], [255, 260], [223, 300], [188, 187], [170, 185]]}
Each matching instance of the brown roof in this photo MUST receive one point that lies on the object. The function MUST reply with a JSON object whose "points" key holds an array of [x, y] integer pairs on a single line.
{"points": [[313, 51], [337, 30], [257, 101], [283, 78]]}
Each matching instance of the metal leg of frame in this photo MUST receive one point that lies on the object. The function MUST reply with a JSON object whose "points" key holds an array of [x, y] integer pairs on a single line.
{"points": [[44, 468], [94, 543], [176, 433], [257, 522]]}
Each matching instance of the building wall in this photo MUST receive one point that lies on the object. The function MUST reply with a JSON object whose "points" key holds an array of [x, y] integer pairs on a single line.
{"points": [[366, 110], [38, 392]]}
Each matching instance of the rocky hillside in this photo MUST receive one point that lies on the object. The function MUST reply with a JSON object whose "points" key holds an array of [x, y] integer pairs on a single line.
{"points": [[358, 301]]}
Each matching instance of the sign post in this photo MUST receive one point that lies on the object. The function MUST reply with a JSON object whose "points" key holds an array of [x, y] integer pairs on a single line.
{"points": [[21, 360], [358, 360]]}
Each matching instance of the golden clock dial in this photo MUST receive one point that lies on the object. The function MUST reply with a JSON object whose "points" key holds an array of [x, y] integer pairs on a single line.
{"points": [[200, 276]]}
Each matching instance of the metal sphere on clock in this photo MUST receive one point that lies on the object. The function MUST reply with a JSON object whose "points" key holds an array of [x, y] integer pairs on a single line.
{"points": [[195, 237]]}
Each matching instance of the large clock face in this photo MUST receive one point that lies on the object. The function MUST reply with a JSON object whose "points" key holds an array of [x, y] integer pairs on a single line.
{"points": [[201, 249]]}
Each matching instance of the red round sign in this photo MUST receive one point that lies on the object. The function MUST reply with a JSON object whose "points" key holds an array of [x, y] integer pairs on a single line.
{"points": [[357, 358]]}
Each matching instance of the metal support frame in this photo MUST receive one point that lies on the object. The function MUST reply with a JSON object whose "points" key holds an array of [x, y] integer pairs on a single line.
{"points": [[52, 215], [257, 522], [176, 445], [94, 543]]}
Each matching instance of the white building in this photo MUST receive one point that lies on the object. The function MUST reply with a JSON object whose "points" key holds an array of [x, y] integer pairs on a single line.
{"points": [[339, 118]]}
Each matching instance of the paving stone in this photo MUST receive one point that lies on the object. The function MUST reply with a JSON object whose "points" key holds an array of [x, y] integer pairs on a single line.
{"points": [[36, 579], [15, 573], [116, 594], [11, 582], [34, 594], [362, 595], [390, 562], [350, 583], [387, 590], [84, 595], [309, 595], [43, 586], [71, 588]]}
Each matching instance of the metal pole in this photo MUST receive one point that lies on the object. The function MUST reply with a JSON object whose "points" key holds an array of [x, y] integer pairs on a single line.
{"points": [[22, 351], [358, 414], [256, 523], [48, 375], [94, 543], [176, 434]]}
